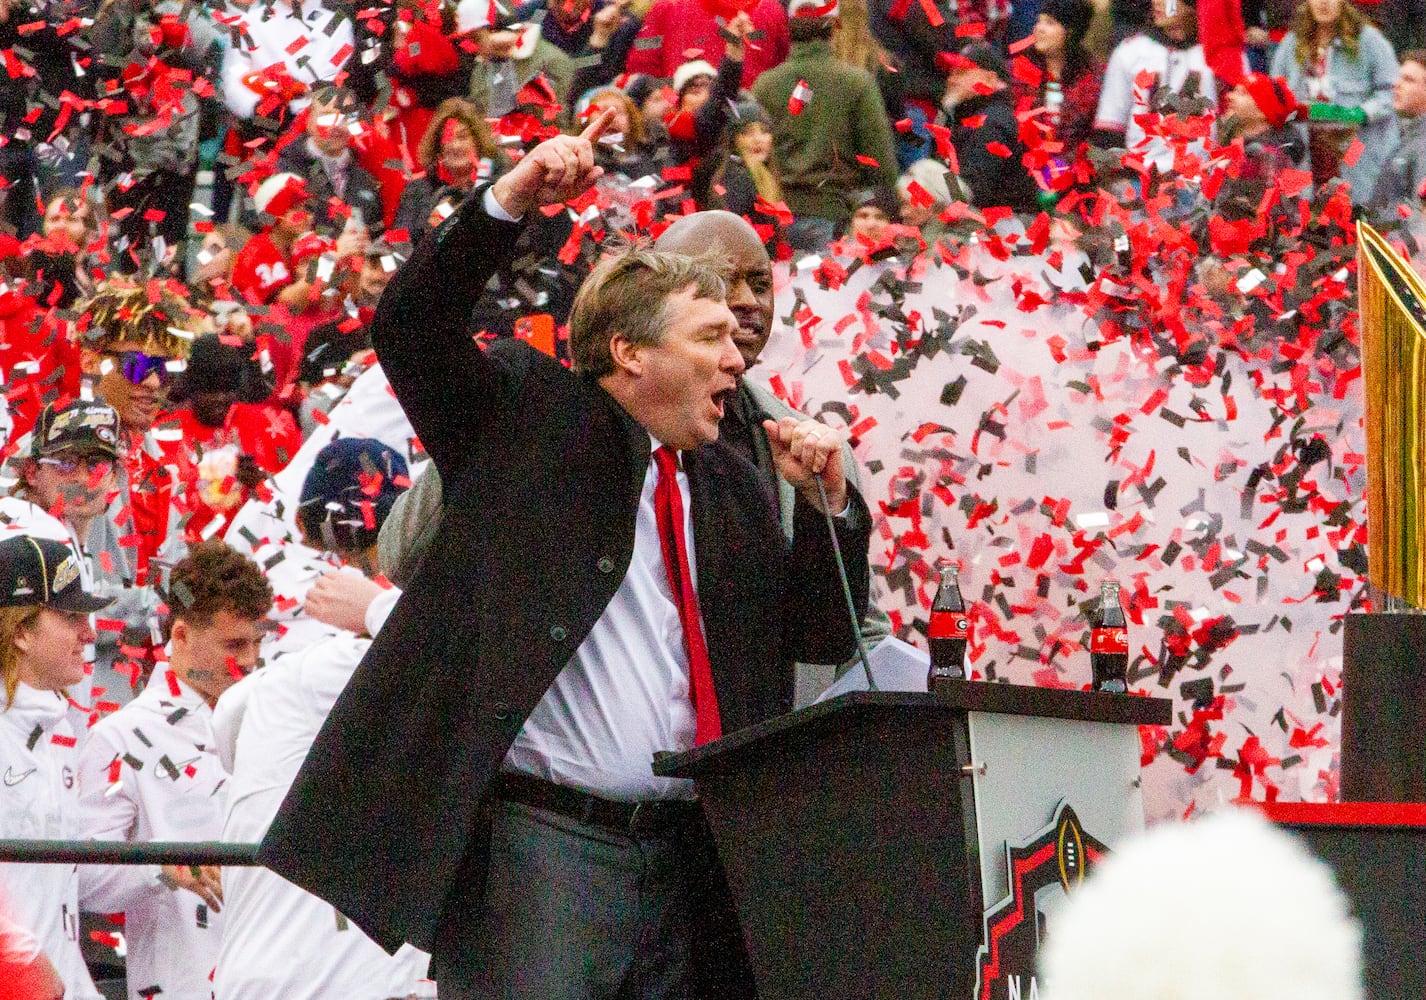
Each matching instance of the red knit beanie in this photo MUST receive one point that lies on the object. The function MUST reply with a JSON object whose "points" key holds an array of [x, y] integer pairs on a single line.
{"points": [[1274, 98]]}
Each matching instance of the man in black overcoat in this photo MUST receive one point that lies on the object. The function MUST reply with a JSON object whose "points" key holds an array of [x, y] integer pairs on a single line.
{"points": [[482, 788]]}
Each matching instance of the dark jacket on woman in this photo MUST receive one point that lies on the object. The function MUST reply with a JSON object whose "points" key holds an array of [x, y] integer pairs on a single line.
{"points": [[995, 179]]}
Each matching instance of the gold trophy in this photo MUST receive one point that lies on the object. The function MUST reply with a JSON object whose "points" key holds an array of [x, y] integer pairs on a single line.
{"points": [[1393, 317], [1384, 653]]}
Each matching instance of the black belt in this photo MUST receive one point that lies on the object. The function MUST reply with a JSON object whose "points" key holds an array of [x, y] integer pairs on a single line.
{"points": [[651, 816]]}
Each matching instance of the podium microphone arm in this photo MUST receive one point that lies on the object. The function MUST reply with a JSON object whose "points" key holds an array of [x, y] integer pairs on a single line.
{"points": [[846, 586]]}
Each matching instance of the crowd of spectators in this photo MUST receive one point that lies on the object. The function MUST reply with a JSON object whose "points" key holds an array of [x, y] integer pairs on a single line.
{"points": [[201, 203]]}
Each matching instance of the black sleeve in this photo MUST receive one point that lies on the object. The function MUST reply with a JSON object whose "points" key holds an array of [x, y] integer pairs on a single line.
{"points": [[912, 38], [739, 193], [815, 593], [363, 74], [713, 116], [598, 67], [889, 82], [421, 331]]}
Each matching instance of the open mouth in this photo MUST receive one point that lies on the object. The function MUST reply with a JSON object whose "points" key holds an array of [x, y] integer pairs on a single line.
{"points": [[720, 401]]}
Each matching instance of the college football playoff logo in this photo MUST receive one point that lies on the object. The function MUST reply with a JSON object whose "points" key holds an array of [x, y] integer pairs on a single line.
{"points": [[1051, 863]]}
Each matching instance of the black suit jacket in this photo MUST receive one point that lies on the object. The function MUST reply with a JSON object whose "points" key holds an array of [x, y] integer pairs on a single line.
{"points": [[542, 472]]}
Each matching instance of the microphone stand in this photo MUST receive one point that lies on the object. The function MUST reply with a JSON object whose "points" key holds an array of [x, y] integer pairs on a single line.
{"points": [[846, 587]]}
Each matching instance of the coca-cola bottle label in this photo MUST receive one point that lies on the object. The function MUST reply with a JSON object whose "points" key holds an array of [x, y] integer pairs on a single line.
{"points": [[949, 625], [1109, 639]]}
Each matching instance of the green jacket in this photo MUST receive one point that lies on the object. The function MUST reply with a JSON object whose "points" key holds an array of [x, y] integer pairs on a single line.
{"points": [[817, 149]]}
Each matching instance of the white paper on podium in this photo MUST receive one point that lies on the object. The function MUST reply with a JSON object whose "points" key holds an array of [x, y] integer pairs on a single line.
{"points": [[896, 666]]}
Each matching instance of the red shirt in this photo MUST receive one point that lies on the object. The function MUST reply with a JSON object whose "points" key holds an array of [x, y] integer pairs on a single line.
{"points": [[260, 270], [38, 363], [206, 457], [689, 32], [143, 522], [283, 334]]}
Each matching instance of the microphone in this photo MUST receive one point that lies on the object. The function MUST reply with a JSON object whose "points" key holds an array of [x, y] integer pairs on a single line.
{"points": [[841, 570]]}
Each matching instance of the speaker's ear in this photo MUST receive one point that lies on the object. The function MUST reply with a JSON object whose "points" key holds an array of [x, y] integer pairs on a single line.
{"points": [[627, 356]]}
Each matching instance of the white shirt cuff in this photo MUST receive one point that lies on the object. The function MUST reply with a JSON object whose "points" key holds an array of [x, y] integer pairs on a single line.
{"points": [[380, 609], [495, 210]]}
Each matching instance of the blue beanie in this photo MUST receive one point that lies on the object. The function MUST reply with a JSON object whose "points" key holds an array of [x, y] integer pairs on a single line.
{"points": [[349, 492]]}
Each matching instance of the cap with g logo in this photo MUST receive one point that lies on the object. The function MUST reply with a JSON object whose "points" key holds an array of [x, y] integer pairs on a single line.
{"points": [[43, 571]]}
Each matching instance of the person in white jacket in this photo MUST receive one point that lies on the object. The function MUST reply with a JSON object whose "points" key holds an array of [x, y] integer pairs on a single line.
{"points": [[69, 467], [149, 772], [44, 629], [22, 517], [280, 941], [1169, 56], [26, 973]]}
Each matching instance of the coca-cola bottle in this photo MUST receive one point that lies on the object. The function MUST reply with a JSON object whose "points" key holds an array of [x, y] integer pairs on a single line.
{"points": [[949, 632], [1109, 642]]}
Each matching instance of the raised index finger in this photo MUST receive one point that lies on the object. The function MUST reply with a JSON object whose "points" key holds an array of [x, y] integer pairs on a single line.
{"points": [[595, 130]]}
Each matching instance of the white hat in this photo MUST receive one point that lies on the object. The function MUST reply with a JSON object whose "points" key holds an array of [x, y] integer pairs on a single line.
{"points": [[931, 175], [689, 70], [1274, 923], [291, 187], [530, 33], [472, 15], [812, 8]]}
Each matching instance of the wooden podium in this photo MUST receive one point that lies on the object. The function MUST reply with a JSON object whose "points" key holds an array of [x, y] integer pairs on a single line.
{"points": [[864, 837]]}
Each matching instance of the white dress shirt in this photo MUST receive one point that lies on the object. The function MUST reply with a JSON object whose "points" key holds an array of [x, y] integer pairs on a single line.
{"points": [[170, 786], [625, 694], [38, 797]]}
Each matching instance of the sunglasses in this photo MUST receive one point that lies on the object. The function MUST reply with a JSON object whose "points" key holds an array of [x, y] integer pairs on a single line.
{"points": [[136, 366]]}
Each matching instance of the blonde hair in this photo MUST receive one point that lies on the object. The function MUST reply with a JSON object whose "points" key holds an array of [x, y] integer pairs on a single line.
{"points": [[627, 293], [853, 42], [12, 620], [765, 182], [765, 175], [153, 315], [636, 137]]}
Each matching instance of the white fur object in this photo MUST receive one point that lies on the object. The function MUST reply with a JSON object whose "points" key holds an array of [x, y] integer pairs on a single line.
{"points": [[1225, 908]]}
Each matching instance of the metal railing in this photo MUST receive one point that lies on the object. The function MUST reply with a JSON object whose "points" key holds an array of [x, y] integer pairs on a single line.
{"points": [[117, 852]]}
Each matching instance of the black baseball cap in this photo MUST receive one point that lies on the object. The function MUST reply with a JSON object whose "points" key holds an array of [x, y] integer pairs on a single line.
{"points": [[43, 571], [86, 427]]}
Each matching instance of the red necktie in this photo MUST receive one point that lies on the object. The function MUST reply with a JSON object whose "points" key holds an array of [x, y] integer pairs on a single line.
{"points": [[668, 509]]}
